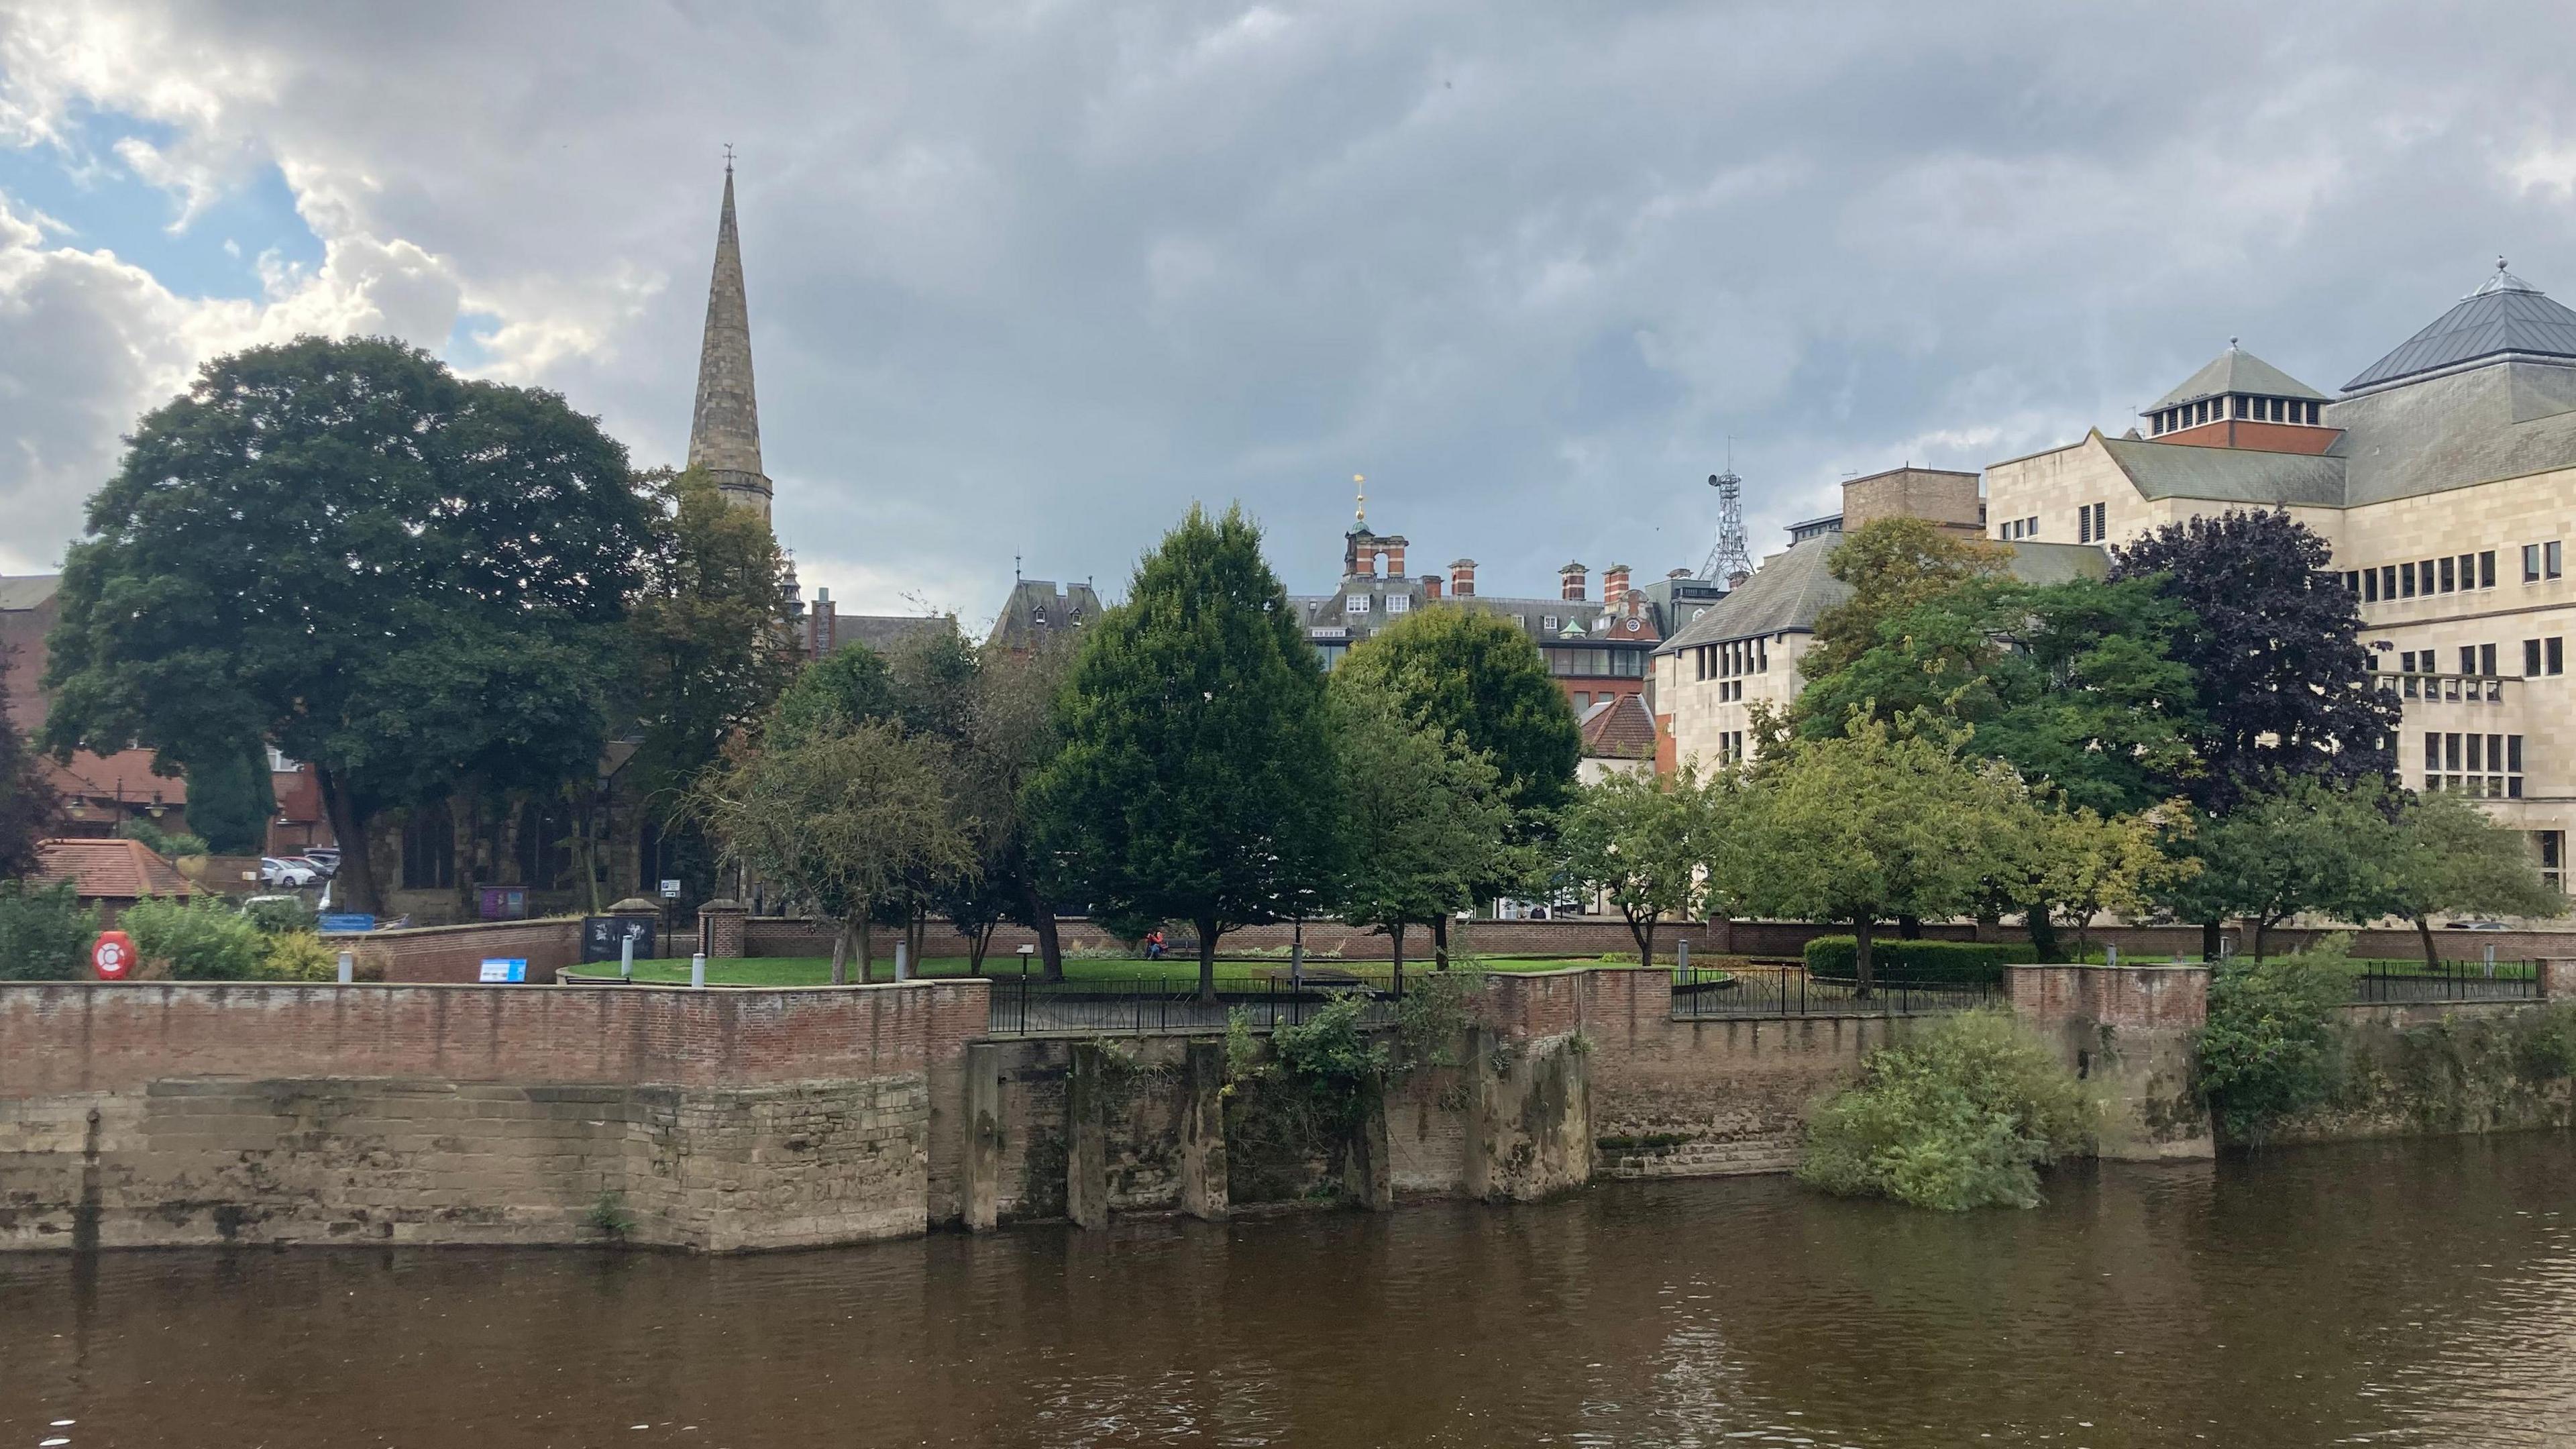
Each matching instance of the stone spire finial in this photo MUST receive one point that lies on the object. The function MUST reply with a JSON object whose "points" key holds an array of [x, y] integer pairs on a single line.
{"points": [[724, 428]]}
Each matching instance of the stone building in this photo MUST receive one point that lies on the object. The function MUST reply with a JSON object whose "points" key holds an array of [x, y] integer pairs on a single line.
{"points": [[1041, 612], [2444, 477]]}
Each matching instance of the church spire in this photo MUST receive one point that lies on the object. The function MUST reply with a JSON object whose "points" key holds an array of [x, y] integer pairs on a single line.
{"points": [[724, 428]]}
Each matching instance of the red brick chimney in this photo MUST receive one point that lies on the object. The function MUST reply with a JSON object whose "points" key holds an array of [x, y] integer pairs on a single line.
{"points": [[1395, 558], [1462, 578], [1430, 586], [1572, 581], [1614, 583]]}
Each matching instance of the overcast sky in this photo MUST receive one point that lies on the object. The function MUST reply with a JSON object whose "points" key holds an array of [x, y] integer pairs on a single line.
{"points": [[1027, 277]]}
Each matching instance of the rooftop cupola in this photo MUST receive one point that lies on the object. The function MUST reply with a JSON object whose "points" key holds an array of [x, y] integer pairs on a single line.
{"points": [[2240, 401]]}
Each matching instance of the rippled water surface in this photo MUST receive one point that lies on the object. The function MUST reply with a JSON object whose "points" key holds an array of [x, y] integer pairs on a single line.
{"points": [[2411, 1293]]}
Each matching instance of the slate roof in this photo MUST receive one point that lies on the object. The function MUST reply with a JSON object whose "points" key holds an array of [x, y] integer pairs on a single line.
{"points": [[1790, 589], [2229, 475], [2505, 315], [1619, 728], [116, 870], [884, 632], [28, 591], [2237, 370], [1040, 609]]}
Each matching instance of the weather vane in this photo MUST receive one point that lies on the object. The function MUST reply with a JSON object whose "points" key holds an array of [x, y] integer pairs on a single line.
{"points": [[1359, 482], [728, 155]]}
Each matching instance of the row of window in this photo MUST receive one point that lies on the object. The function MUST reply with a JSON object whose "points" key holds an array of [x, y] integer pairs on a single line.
{"points": [[2539, 657], [2090, 524], [1395, 603], [2453, 573], [1730, 747], [1730, 690], [1595, 663], [2017, 528], [1724, 661], [2489, 766], [2236, 405]]}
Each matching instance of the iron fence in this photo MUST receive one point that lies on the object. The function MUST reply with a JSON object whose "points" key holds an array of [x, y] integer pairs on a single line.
{"points": [[1768, 991], [2395, 983], [1027, 1005]]}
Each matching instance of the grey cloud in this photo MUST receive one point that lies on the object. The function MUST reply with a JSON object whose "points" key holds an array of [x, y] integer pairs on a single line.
{"points": [[1031, 279]]}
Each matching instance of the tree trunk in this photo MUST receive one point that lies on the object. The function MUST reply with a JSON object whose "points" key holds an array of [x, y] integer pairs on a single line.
{"points": [[1395, 933], [357, 893], [1440, 940], [2432, 957], [2043, 933], [1646, 942], [2262, 928], [2213, 935], [1909, 928], [1207, 958], [1050, 949], [916, 931], [867, 951], [978, 941], [1860, 956], [841, 955]]}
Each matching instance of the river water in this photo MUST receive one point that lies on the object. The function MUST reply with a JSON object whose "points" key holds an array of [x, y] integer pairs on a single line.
{"points": [[2404, 1293]]}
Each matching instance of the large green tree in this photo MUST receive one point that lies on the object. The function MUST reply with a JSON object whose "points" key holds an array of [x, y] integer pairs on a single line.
{"points": [[709, 659], [1196, 781], [848, 820], [2450, 858], [1426, 817], [29, 804], [1892, 565], [2301, 844], [1012, 734], [1889, 819], [1479, 677], [401, 576], [2074, 684], [230, 800], [1643, 841]]}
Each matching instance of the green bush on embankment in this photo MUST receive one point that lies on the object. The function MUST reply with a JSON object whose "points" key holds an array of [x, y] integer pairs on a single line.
{"points": [[45, 932], [1979, 963], [1963, 1115]]}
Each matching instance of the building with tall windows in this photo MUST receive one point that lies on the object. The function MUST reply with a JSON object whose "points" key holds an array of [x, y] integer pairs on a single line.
{"points": [[2443, 476]]}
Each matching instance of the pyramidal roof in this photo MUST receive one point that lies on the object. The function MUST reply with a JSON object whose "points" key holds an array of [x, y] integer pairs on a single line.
{"points": [[2237, 370], [724, 427], [2504, 316]]}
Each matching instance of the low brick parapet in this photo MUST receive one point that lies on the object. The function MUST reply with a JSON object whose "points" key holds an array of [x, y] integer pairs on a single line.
{"points": [[2132, 997]]}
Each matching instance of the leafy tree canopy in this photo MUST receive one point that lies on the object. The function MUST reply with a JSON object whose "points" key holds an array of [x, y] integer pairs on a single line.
{"points": [[1892, 565], [1642, 840], [1426, 818], [1479, 677], [342, 548], [2451, 858], [2299, 844], [2284, 683], [2074, 684], [709, 659], [1197, 780]]}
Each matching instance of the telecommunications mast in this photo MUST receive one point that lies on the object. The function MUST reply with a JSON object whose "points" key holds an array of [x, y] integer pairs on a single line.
{"points": [[1731, 561]]}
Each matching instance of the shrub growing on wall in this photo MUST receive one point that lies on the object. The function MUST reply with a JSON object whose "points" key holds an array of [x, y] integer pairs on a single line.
{"points": [[44, 932], [2267, 1050], [199, 939], [1962, 1116]]}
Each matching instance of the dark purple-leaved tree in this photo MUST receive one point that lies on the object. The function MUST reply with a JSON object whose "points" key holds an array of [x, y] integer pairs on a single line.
{"points": [[2285, 685]]}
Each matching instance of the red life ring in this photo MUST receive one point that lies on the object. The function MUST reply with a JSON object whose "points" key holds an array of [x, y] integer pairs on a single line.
{"points": [[112, 955]]}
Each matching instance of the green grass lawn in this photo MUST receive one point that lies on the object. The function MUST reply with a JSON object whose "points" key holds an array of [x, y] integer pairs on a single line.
{"points": [[817, 970]]}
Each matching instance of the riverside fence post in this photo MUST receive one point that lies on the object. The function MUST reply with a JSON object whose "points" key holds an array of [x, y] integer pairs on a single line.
{"points": [[348, 967], [698, 968], [902, 967], [626, 958]]}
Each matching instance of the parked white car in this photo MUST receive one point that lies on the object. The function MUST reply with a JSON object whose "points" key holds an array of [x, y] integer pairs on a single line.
{"points": [[292, 874]]}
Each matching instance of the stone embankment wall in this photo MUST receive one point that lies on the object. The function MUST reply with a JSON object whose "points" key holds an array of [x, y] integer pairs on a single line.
{"points": [[182, 1113], [2463, 1067]]}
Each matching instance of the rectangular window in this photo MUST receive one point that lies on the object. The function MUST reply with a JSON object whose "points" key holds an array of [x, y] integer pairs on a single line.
{"points": [[2549, 559], [2406, 580], [2352, 582], [1548, 623], [2084, 524], [2486, 659], [2552, 847], [2451, 753], [2531, 563], [2468, 659], [2468, 572], [2486, 569], [2101, 522], [2406, 662], [2388, 581], [1399, 603], [2553, 651], [2477, 754], [2530, 657], [2370, 586], [2450, 581], [1357, 604], [2432, 753]]}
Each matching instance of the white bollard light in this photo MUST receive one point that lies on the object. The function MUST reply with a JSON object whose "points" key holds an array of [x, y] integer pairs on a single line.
{"points": [[626, 958], [697, 968], [1681, 956], [902, 962], [348, 967]]}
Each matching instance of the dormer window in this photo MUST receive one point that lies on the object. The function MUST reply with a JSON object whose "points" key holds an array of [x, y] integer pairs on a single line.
{"points": [[1358, 604], [1399, 603]]}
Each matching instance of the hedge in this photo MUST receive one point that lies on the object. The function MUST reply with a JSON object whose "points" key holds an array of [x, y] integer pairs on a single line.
{"points": [[1980, 962]]}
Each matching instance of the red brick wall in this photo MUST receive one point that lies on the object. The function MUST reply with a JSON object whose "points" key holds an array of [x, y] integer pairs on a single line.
{"points": [[58, 1037], [454, 954], [2125, 997]]}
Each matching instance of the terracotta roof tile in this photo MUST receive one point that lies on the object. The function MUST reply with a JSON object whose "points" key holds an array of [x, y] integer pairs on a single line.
{"points": [[121, 870], [1621, 729]]}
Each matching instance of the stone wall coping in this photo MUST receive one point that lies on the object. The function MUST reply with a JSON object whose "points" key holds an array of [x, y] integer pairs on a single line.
{"points": [[390, 933], [2097, 966], [638, 988]]}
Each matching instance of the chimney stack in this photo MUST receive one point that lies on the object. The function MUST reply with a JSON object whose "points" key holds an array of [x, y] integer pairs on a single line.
{"points": [[1431, 587], [1394, 557], [1614, 583], [1462, 578], [1573, 580], [819, 625]]}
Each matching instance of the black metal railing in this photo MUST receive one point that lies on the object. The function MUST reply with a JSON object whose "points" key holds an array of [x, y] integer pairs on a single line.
{"points": [[2395, 983], [1766, 991], [1023, 1006]]}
